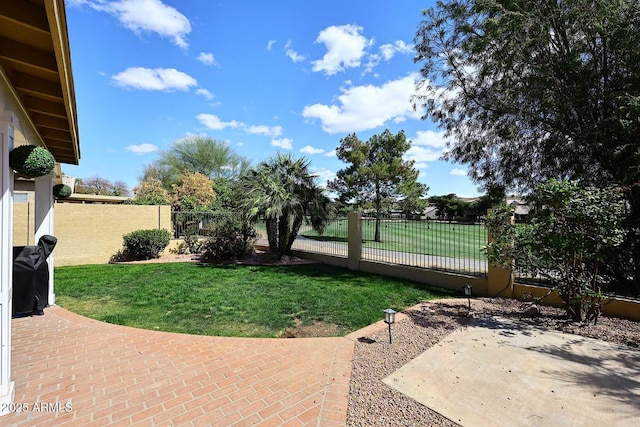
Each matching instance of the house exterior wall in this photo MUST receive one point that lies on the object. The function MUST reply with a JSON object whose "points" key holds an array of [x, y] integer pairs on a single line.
{"points": [[6, 254], [23, 223]]}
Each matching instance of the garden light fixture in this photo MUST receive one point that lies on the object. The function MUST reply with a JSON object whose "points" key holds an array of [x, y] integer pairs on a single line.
{"points": [[467, 292], [389, 318]]}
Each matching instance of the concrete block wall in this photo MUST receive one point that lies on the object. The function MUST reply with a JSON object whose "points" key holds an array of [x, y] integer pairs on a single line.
{"points": [[92, 233], [89, 233]]}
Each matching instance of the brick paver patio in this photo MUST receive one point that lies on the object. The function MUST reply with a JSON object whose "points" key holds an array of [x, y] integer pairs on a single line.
{"points": [[70, 370]]}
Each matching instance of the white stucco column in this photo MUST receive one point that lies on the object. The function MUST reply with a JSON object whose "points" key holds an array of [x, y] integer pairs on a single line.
{"points": [[44, 220], [6, 259]]}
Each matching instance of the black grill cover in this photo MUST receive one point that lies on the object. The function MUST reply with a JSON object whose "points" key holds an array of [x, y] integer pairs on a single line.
{"points": [[31, 277]]}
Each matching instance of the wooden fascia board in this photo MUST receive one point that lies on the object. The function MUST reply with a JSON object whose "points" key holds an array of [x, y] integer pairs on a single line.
{"points": [[58, 28]]}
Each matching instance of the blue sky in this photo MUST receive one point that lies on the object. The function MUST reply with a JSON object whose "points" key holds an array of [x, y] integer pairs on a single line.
{"points": [[264, 76]]}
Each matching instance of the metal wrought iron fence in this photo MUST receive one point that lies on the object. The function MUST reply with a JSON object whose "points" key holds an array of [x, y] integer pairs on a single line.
{"points": [[447, 246], [438, 245], [192, 223], [334, 240]]}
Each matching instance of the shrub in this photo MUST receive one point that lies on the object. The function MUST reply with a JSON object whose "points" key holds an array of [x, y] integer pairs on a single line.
{"points": [[230, 238], [146, 244], [62, 191], [32, 161], [193, 244], [572, 231]]}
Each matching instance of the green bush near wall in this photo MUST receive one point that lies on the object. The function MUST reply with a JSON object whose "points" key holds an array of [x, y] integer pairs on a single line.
{"points": [[146, 244], [62, 191]]}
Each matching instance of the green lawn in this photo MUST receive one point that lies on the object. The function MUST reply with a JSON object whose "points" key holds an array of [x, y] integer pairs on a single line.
{"points": [[433, 238], [232, 300]]}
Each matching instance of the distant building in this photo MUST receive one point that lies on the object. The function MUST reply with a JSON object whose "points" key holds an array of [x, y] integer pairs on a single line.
{"points": [[520, 208], [430, 212]]}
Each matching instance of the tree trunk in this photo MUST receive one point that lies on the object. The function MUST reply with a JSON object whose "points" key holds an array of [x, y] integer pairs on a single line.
{"points": [[294, 233], [376, 237], [634, 228], [272, 234], [283, 235]]}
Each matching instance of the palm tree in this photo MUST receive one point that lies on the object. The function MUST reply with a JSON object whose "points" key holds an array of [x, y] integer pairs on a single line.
{"points": [[282, 192]]}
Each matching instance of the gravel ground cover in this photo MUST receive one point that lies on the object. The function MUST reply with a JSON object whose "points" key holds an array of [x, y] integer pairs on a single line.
{"points": [[372, 403]]}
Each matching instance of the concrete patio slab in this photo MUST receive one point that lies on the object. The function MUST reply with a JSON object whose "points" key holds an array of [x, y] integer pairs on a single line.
{"points": [[500, 373]]}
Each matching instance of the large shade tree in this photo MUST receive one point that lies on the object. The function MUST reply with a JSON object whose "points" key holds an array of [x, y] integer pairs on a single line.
{"points": [[530, 90], [282, 192], [196, 154], [376, 172], [194, 193], [150, 192]]}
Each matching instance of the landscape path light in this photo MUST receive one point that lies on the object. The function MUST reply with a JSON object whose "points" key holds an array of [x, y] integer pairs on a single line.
{"points": [[389, 318], [467, 292]]}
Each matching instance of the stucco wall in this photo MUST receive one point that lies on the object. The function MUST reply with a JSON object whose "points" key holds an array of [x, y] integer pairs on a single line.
{"points": [[92, 233], [89, 233], [23, 223]]}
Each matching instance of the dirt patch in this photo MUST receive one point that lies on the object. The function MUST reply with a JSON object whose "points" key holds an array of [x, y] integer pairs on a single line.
{"points": [[264, 258], [317, 329]]}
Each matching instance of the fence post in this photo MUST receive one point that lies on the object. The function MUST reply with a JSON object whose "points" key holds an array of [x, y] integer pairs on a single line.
{"points": [[354, 240], [499, 279]]}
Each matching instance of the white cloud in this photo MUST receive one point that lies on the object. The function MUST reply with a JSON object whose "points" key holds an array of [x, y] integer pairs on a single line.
{"points": [[389, 50], [285, 143], [207, 58], [270, 44], [421, 154], [163, 79], [420, 165], [295, 56], [311, 150], [458, 172], [292, 54], [323, 175], [142, 148], [214, 123], [366, 107], [345, 48], [204, 92], [426, 146], [147, 16], [272, 131], [430, 139], [331, 153]]}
